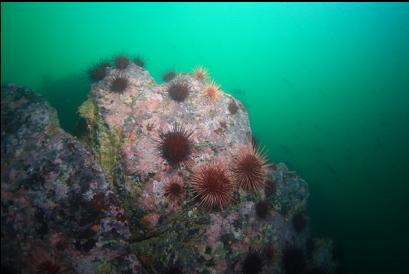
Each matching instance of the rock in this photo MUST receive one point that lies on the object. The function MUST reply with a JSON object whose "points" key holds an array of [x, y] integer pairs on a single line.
{"points": [[323, 256], [59, 214], [125, 133], [127, 199]]}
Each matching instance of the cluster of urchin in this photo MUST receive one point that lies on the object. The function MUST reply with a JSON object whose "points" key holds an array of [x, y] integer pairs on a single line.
{"points": [[119, 82], [213, 183]]}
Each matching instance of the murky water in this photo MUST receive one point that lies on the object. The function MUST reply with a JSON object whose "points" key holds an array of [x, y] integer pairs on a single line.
{"points": [[326, 86]]}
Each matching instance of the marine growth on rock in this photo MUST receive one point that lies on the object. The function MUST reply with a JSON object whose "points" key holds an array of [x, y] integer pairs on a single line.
{"points": [[167, 180]]}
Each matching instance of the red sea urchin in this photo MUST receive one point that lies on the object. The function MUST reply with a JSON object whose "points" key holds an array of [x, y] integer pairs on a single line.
{"points": [[200, 73], [174, 190], [42, 262], [250, 169], [175, 146], [212, 185]]}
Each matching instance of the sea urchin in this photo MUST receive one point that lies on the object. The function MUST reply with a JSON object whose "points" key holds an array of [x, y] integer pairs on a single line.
{"points": [[252, 264], [179, 90], [41, 261], [121, 62], [175, 146], [262, 209], [293, 260], [139, 62], [119, 83], [174, 190], [299, 222], [98, 72], [212, 185], [271, 252], [200, 73], [233, 108], [250, 169], [169, 76], [212, 91]]}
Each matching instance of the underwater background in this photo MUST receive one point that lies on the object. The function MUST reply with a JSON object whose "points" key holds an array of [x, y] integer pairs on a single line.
{"points": [[326, 87]]}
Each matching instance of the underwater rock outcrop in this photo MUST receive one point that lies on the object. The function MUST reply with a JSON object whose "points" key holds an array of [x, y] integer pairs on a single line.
{"points": [[166, 180], [171, 153], [58, 213]]}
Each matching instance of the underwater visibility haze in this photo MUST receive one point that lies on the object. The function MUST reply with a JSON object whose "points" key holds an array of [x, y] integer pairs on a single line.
{"points": [[325, 85]]}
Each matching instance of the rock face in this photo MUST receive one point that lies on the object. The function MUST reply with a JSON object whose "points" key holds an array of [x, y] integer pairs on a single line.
{"points": [[128, 201], [58, 212], [251, 234]]}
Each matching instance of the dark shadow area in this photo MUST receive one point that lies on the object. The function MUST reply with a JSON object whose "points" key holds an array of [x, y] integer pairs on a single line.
{"points": [[66, 95]]}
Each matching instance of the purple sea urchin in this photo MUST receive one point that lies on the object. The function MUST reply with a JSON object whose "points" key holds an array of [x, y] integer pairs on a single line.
{"points": [[252, 264], [119, 83], [270, 253], [99, 71], [169, 76], [139, 62], [293, 260], [299, 222], [233, 108], [173, 269], [179, 90], [121, 62], [262, 209]]}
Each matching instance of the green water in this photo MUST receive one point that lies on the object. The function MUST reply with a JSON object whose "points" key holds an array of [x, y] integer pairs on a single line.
{"points": [[326, 86]]}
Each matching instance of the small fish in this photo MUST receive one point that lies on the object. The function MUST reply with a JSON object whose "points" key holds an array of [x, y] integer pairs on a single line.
{"points": [[175, 49], [328, 133], [349, 154], [322, 93], [383, 123], [293, 96], [316, 149], [308, 148], [287, 82], [330, 169], [286, 149], [254, 142], [237, 91], [379, 142]]}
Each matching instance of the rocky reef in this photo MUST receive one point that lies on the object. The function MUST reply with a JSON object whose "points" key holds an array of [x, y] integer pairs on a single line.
{"points": [[58, 212], [165, 179]]}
